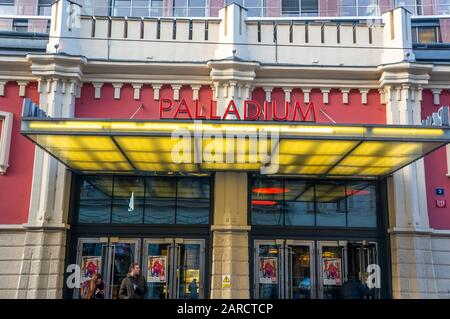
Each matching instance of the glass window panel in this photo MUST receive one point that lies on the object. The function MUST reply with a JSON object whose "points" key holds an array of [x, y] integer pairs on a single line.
{"points": [[349, 8], [443, 7], [193, 198], [299, 201], [140, 8], [361, 204], [95, 199], [427, 35], [156, 9], [367, 7], [255, 7], [160, 196], [128, 200], [330, 199], [413, 6], [310, 7], [290, 7], [267, 201]]}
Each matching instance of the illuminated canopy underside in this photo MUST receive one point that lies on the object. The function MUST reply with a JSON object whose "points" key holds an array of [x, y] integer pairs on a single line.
{"points": [[107, 146]]}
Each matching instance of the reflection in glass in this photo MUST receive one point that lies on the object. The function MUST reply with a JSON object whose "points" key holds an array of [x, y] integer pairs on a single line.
{"points": [[299, 201], [128, 200], [157, 279], [189, 272], [268, 272], [361, 205], [267, 201], [332, 275], [91, 263], [95, 199], [331, 209], [301, 272], [124, 255], [192, 201], [160, 194]]}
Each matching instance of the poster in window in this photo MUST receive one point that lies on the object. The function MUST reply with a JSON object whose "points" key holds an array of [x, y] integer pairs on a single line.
{"points": [[332, 271], [156, 271], [91, 265], [268, 272]]}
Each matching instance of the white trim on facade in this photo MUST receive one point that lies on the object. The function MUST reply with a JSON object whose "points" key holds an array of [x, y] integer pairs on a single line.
{"points": [[5, 140]]}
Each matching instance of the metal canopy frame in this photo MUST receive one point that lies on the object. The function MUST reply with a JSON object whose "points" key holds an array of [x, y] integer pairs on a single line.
{"points": [[388, 139]]}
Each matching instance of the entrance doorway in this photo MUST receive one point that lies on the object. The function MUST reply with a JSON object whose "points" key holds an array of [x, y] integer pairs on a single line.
{"points": [[173, 267], [301, 269], [284, 269]]}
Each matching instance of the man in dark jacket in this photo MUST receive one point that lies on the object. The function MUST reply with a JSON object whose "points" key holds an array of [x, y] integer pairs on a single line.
{"points": [[353, 289], [133, 286]]}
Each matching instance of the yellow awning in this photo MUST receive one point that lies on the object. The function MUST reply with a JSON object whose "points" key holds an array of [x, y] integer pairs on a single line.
{"points": [[306, 149]]}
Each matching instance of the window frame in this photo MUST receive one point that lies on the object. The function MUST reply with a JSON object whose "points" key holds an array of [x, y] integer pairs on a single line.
{"points": [[416, 36], [359, 7], [187, 10], [313, 183], [75, 201], [418, 7], [300, 11], [5, 140]]}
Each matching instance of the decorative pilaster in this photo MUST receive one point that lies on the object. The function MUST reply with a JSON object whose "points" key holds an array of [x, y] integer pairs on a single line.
{"points": [[364, 93], [411, 252], [137, 90], [22, 87], [97, 90], [306, 92], [345, 93], [195, 90], [325, 94], [117, 88], [230, 253], [2, 88], [287, 95], [436, 96], [268, 90], [176, 91], [156, 89]]}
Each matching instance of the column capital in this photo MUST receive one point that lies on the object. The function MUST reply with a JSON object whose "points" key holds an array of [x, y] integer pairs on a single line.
{"points": [[117, 87], [22, 87], [436, 96], [364, 93], [156, 87], [176, 91], [137, 90], [345, 92], [195, 89]]}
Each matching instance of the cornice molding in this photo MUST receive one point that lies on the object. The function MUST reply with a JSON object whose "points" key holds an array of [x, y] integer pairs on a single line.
{"points": [[59, 66]]}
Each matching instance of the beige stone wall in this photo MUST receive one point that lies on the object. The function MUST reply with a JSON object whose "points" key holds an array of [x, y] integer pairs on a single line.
{"points": [[230, 236], [42, 271], [11, 252], [413, 272], [441, 260], [32, 263]]}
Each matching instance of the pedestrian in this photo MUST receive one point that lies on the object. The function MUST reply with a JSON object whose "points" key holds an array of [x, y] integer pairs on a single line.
{"points": [[134, 285]]}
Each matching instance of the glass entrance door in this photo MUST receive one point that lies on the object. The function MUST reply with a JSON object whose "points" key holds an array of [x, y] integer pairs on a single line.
{"points": [[332, 265], [284, 269], [123, 252], [174, 268], [360, 256], [110, 257]]}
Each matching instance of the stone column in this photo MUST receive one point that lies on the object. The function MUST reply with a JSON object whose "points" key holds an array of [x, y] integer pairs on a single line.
{"points": [[411, 252], [42, 269], [230, 251]]}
